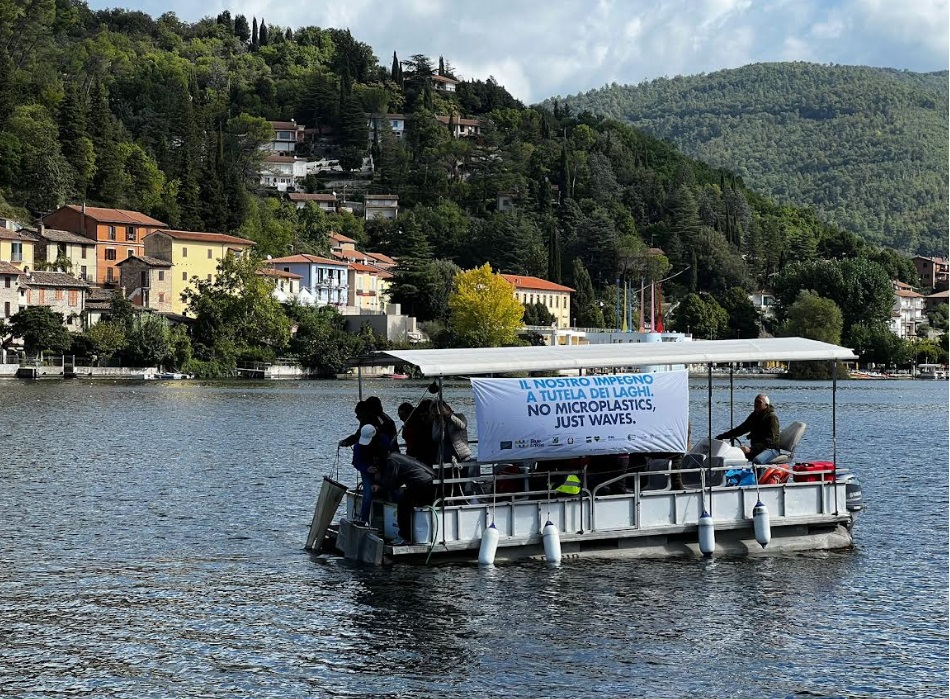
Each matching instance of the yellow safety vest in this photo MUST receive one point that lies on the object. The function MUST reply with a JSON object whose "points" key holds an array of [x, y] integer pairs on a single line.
{"points": [[571, 486]]}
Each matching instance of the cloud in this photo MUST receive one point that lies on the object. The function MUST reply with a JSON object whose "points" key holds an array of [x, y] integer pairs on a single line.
{"points": [[540, 49]]}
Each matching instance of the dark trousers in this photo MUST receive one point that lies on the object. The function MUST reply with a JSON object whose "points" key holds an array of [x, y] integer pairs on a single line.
{"points": [[412, 496]]}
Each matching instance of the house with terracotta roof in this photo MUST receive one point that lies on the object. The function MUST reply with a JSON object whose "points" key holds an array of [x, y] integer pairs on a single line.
{"points": [[907, 314], [368, 287], [147, 282], [68, 252], [378, 259], [117, 233], [461, 127], [934, 272], [555, 297], [340, 242], [325, 279], [195, 256], [61, 292], [443, 83], [933, 300], [286, 285], [18, 247]]}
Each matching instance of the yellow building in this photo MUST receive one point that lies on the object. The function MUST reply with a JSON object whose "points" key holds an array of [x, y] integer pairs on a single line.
{"points": [[368, 287], [195, 257], [17, 248], [555, 297]]}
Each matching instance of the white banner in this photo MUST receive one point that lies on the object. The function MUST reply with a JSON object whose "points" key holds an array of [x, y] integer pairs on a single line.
{"points": [[565, 417]]}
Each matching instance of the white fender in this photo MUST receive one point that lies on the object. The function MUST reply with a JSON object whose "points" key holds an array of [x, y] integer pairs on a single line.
{"points": [[707, 534], [552, 542], [486, 552], [761, 524]]}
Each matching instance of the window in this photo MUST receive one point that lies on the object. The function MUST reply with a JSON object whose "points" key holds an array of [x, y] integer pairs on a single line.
{"points": [[16, 253], [184, 252], [110, 253], [69, 320], [110, 273], [184, 276], [58, 295], [6, 282], [82, 270], [42, 296], [73, 297], [6, 309], [82, 253], [111, 232], [209, 254], [161, 297], [209, 277], [161, 275], [143, 279], [129, 252], [61, 250], [130, 233]]}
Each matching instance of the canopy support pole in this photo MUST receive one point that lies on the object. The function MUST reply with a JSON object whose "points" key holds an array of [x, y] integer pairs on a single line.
{"points": [[359, 380], [709, 430], [834, 429]]}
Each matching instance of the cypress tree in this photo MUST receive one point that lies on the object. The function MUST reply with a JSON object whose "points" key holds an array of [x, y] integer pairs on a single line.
{"points": [[262, 34], [394, 71], [441, 66], [74, 137], [254, 34], [106, 186], [241, 30], [289, 34]]}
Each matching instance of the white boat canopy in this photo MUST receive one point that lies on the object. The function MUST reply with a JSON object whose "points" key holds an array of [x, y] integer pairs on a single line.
{"points": [[502, 360]]}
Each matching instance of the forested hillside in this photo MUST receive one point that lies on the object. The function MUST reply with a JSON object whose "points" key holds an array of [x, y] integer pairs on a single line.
{"points": [[867, 147], [118, 109]]}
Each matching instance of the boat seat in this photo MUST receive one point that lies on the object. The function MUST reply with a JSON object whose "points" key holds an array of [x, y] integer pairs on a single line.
{"points": [[788, 440], [656, 481], [693, 480]]}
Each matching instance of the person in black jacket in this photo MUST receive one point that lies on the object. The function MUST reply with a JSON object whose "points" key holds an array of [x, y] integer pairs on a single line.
{"points": [[400, 471], [763, 430], [381, 421]]}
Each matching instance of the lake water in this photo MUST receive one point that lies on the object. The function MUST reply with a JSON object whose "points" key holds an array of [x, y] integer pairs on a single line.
{"points": [[151, 546]]}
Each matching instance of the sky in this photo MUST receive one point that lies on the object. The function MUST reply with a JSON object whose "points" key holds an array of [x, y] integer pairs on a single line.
{"points": [[544, 48]]}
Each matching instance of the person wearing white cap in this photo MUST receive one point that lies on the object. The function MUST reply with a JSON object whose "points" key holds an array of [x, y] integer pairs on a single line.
{"points": [[370, 448]]}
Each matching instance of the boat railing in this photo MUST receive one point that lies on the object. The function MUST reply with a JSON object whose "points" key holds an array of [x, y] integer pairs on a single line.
{"points": [[462, 490]]}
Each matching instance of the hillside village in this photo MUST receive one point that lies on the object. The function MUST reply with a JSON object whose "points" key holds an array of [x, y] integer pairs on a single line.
{"points": [[283, 193]]}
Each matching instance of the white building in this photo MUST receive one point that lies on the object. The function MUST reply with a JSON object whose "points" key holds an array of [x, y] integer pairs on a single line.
{"points": [[283, 172], [907, 313]]}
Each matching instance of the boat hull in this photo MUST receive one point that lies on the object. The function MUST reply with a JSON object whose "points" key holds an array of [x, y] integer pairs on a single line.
{"points": [[804, 517]]}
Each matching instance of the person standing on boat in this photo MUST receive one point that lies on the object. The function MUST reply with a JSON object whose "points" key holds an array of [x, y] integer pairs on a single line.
{"points": [[763, 430], [417, 430], [451, 429], [381, 421], [370, 450]]}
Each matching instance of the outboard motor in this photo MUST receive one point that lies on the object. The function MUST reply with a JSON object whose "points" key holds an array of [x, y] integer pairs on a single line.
{"points": [[854, 499]]}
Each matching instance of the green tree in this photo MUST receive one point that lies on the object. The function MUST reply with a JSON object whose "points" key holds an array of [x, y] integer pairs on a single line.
{"points": [[484, 310], [107, 338], [815, 318], [702, 316], [148, 341], [41, 329], [321, 341], [235, 314], [743, 318]]}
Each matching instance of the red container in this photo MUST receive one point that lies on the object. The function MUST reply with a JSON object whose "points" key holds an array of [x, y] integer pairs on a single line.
{"points": [[813, 472]]}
